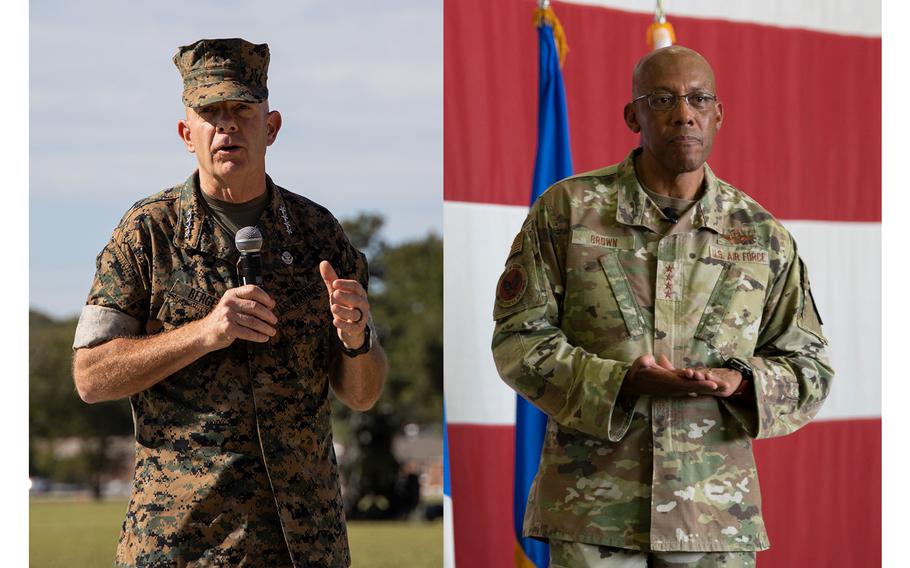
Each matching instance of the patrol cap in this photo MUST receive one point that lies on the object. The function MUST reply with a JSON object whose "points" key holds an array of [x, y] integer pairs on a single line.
{"points": [[216, 70]]}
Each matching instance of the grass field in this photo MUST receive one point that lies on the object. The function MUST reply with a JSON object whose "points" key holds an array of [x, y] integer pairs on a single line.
{"points": [[84, 534]]}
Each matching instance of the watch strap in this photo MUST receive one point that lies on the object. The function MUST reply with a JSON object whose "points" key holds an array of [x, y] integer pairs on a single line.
{"points": [[365, 347], [745, 372]]}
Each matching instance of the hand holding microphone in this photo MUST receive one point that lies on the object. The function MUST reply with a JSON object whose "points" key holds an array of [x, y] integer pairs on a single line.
{"points": [[244, 312]]}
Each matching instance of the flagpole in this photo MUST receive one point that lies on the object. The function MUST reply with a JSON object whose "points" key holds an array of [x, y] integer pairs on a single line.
{"points": [[552, 163]]}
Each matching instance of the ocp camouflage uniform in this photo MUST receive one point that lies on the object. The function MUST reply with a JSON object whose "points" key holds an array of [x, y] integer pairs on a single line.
{"points": [[234, 458], [591, 283]]}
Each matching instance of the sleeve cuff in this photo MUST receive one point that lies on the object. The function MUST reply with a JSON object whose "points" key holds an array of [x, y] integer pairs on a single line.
{"points": [[745, 410], [98, 324]]}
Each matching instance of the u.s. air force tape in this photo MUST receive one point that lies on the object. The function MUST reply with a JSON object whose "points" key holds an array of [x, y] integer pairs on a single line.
{"points": [[512, 285]]}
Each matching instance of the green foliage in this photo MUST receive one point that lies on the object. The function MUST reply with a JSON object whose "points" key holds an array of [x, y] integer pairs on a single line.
{"points": [[56, 411], [406, 300], [409, 314]]}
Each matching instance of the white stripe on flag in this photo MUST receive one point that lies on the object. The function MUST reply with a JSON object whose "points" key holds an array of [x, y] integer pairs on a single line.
{"points": [[832, 16], [844, 261], [477, 241], [844, 264]]}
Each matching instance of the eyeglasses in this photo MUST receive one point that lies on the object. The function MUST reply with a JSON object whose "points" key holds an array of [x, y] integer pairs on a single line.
{"points": [[698, 100]]}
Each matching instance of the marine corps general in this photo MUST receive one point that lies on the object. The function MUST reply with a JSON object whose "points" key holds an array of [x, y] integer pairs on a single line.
{"points": [[229, 383]]}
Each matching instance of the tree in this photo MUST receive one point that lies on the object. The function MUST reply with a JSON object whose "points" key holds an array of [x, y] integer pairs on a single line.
{"points": [[55, 410], [406, 301]]}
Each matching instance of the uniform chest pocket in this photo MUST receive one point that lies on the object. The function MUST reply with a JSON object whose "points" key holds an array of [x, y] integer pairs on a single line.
{"points": [[732, 317], [629, 310], [182, 304], [304, 342]]}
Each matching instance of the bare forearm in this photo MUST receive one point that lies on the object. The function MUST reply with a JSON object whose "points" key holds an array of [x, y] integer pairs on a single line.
{"points": [[359, 380], [124, 366]]}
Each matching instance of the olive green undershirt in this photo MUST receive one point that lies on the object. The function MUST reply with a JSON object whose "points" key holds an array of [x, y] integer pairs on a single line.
{"points": [[664, 201], [234, 216]]}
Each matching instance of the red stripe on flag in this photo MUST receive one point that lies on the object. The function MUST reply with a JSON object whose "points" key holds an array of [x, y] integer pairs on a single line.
{"points": [[802, 133], [482, 469], [821, 491]]}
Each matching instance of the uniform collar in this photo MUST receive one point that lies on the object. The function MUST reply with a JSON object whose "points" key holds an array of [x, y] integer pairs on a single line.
{"points": [[198, 230], [634, 208], [278, 224]]}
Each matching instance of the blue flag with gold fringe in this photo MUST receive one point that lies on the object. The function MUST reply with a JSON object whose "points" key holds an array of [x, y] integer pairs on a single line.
{"points": [[553, 163]]}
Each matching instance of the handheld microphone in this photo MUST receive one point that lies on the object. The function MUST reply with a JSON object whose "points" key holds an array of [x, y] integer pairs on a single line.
{"points": [[249, 242]]}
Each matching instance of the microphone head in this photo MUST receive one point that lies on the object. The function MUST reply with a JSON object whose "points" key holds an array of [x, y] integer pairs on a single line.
{"points": [[248, 239]]}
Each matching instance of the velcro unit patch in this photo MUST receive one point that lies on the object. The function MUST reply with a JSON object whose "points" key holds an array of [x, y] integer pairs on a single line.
{"points": [[517, 243], [753, 256], [512, 285]]}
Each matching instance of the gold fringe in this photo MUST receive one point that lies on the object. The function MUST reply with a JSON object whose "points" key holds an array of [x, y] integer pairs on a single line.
{"points": [[548, 16], [521, 560]]}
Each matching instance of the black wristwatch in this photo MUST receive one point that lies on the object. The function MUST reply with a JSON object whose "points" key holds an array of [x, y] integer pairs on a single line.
{"points": [[367, 344], [744, 370]]}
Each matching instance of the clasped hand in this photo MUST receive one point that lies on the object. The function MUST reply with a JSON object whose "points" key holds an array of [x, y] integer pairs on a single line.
{"points": [[658, 377]]}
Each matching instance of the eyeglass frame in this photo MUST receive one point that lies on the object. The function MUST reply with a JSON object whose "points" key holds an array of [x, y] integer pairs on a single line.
{"points": [[676, 99]]}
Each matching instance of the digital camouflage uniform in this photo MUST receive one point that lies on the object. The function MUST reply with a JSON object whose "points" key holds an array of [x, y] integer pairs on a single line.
{"points": [[591, 283], [216, 70], [234, 458]]}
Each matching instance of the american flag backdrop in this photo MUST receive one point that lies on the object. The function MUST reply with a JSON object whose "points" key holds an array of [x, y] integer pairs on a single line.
{"points": [[801, 85]]}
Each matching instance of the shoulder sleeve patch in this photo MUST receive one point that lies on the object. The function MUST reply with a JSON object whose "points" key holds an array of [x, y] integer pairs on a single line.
{"points": [[521, 285], [512, 285]]}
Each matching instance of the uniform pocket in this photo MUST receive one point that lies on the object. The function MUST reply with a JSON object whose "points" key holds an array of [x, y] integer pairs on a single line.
{"points": [[731, 319], [622, 293], [709, 325], [809, 319], [305, 344]]}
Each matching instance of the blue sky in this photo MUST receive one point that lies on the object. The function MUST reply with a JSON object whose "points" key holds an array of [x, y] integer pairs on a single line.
{"points": [[359, 86]]}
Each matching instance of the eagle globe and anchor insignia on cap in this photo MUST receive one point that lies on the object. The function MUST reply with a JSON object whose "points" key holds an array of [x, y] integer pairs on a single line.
{"points": [[512, 285]]}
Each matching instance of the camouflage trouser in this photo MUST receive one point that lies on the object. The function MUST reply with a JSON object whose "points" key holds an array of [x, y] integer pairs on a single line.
{"points": [[565, 554]]}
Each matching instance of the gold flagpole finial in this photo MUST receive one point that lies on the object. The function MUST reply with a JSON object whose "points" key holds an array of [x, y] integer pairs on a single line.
{"points": [[660, 33]]}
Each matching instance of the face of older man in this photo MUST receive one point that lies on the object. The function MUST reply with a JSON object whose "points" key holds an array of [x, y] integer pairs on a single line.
{"points": [[230, 138], [679, 140]]}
